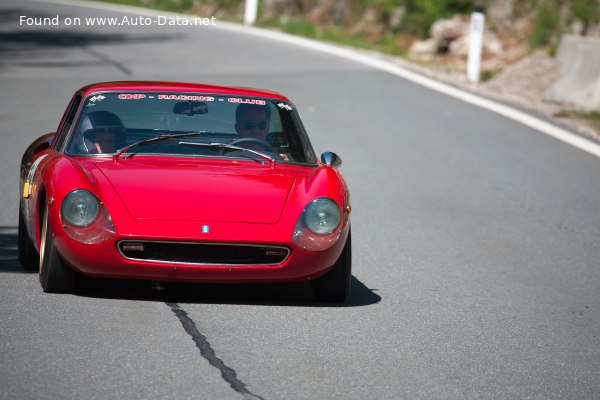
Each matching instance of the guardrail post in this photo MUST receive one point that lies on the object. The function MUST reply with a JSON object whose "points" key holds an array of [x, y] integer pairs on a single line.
{"points": [[475, 44], [250, 11]]}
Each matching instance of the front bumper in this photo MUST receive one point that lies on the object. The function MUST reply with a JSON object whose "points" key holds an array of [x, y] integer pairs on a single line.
{"points": [[107, 260]]}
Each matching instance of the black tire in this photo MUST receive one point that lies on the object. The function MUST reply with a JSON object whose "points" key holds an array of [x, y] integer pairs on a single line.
{"points": [[28, 255], [334, 286], [55, 276]]}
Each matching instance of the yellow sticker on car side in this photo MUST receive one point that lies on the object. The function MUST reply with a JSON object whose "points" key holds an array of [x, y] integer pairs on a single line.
{"points": [[26, 190], [27, 186]]}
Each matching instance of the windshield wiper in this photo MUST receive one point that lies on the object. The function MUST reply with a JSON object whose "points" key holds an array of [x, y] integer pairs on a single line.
{"points": [[229, 147], [155, 139]]}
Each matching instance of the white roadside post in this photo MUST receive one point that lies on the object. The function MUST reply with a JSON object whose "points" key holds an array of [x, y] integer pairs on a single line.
{"points": [[250, 12], [475, 44]]}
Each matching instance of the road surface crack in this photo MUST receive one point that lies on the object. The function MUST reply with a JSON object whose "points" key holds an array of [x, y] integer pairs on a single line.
{"points": [[206, 351]]}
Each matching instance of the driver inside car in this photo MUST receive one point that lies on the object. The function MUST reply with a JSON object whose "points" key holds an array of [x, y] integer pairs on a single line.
{"points": [[102, 133], [252, 122], [103, 140]]}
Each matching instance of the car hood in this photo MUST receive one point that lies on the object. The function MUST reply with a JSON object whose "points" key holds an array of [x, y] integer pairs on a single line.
{"points": [[200, 190]]}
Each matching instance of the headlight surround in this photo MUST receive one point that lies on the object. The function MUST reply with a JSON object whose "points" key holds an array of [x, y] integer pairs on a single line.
{"points": [[85, 219], [80, 208], [322, 216], [320, 225]]}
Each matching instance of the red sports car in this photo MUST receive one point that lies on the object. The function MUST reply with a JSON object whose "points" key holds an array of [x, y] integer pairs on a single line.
{"points": [[185, 182]]}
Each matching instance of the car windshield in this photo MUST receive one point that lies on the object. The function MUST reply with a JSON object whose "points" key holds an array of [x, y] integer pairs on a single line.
{"points": [[202, 125]]}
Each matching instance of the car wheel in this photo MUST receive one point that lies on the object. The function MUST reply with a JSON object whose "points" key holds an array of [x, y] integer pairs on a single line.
{"points": [[55, 276], [28, 255], [334, 286]]}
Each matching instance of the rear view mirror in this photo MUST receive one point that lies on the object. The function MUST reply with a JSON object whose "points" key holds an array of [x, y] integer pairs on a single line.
{"points": [[190, 108]]}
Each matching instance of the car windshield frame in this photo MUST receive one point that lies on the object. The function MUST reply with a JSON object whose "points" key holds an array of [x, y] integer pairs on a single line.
{"points": [[289, 142]]}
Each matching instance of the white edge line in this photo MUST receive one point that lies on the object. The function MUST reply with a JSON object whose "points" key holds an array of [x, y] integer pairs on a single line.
{"points": [[504, 110]]}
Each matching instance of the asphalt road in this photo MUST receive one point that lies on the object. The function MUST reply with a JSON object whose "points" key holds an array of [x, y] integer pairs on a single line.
{"points": [[476, 242]]}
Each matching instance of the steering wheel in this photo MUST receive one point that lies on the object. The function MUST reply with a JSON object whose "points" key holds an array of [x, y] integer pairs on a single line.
{"points": [[253, 141]]}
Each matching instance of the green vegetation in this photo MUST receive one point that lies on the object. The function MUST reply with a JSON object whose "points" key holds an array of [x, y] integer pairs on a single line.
{"points": [[418, 15], [396, 22], [421, 14], [487, 75], [587, 11], [303, 27], [553, 17], [593, 118], [296, 26], [546, 25]]}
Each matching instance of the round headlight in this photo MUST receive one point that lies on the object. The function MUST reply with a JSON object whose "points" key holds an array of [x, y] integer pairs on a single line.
{"points": [[322, 216], [80, 208]]}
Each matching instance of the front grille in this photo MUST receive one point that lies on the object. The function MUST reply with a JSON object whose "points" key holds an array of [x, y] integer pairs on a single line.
{"points": [[203, 253]]}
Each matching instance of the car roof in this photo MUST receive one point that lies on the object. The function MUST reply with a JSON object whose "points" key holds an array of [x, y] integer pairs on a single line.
{"points": [[164, 86]]}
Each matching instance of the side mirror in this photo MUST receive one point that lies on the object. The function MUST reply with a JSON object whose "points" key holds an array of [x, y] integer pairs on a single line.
{"points": [[331, 159]]}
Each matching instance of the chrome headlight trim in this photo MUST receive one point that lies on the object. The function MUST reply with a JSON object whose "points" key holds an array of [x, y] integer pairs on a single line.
{"points": [[80, 208], [322, 216], [85, 218]]}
